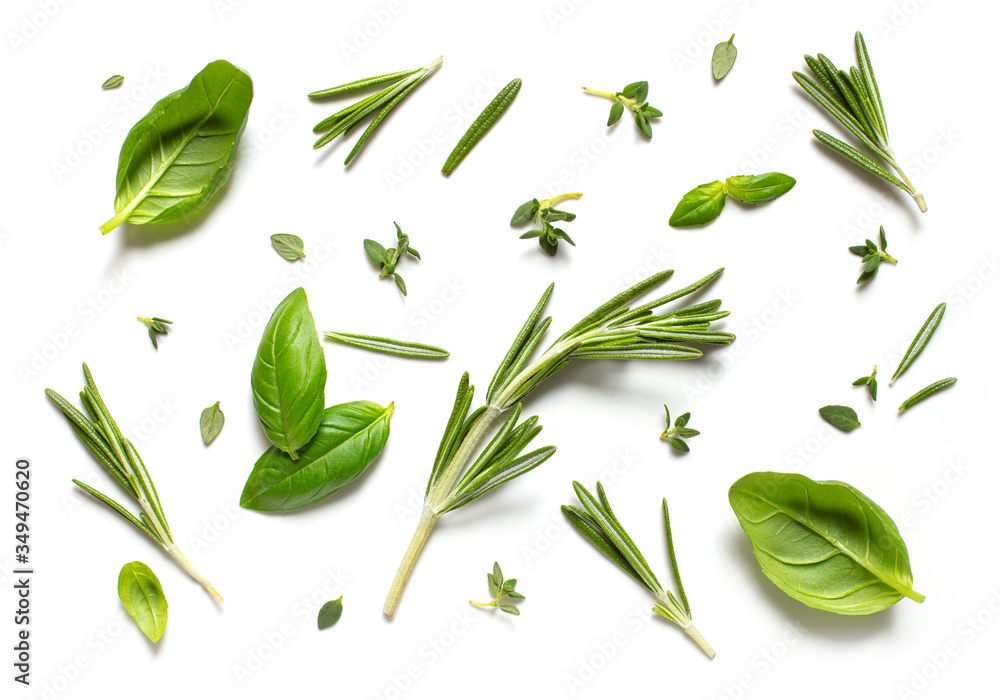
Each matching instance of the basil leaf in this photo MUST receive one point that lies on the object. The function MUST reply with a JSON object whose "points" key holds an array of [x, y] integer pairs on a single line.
{"points": [[824, 543], [700, 205], [113, 82], [757, 189], [212, 420], [723, 58], [349, 439], [330, 613], [142, 596], [840, 417], [288, 245], [178, 156], [289, 375]]}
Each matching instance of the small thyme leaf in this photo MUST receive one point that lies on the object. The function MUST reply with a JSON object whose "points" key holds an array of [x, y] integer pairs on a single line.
{"points": [[330, 613], [288, 245], [113, 82], [870, 382], [840, 417], [212, 420], [723, 58]]}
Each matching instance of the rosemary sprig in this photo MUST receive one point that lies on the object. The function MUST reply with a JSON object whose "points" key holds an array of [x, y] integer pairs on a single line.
{"points": [[382, 102], [612, 331], [853, 99], [101, 435], [598, 523], [501, 588], [389, 346], [920, 341], [155, 325]]}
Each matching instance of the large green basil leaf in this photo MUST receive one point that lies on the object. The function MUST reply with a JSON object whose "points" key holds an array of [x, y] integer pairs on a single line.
{"points": [[757, 189], [179, 155], [289, 375], [824, 543], [142, 595], [700, 205], [349, 439]]}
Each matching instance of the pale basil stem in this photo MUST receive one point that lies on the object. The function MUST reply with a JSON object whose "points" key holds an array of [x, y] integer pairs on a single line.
{"points": [[612, 331], [101, 435]]}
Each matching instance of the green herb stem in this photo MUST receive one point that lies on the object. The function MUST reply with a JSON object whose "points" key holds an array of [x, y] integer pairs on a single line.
{"points": [[427, 520]]}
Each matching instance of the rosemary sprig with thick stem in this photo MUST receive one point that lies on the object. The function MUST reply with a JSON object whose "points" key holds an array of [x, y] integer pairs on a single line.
{"points": [[381, 103], [612, 331], [101, 435], [598, 523], [853, 99]]}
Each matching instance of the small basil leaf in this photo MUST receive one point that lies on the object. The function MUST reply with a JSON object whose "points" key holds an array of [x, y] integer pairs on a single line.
{"points": [[757, 189], [330, 613], [288, 245], [289, 375], [700, 205], [349, 439], [840, 417], [212, 420], [142, 595]]}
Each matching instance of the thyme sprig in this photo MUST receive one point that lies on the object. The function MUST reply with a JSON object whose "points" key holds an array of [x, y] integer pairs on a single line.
{"points": [[598, 523], [612, 331], [501, 588], [632, 96], [543, 213], [676, 434], [117, 454], [155, 326]]}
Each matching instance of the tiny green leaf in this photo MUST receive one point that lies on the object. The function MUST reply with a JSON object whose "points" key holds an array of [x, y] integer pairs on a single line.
{"points": [[723, 58], [289, 246], [679, 444], [212, 420], [113, 82], [142, 595], [881, 234], [617, 109], [525, 213], [400, 284], [376, 252], [840, 417], [859, 250], [699, 206], [758, 189], [860, 381], [509, 608], [330, 613]]}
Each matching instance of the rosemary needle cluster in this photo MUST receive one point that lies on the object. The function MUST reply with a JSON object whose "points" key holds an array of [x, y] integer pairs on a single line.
{"points": [[612, 331], [598, 523], [117, 454], [381, 103], [853, 99]]}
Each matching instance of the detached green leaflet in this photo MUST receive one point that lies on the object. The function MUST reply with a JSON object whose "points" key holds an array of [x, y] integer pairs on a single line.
{"points": [[142, 595], [288, 245], [179, 155], [389, 346], [494, 110], [723, 58], [705, 202]]}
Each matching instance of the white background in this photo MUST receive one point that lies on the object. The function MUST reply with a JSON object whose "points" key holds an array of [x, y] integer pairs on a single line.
{"points": [[806, 331]]}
